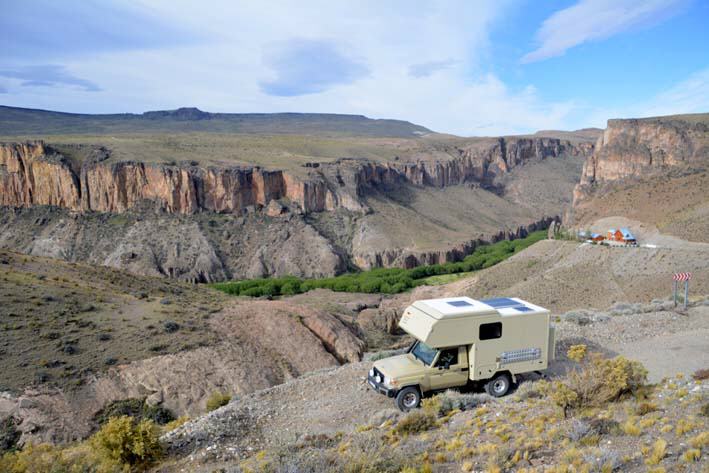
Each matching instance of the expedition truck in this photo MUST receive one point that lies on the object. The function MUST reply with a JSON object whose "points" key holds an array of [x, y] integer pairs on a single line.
{"points": [[461, 341]]}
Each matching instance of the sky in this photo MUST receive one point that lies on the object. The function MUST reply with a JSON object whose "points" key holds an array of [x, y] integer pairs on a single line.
{"points": [[468, 67]]}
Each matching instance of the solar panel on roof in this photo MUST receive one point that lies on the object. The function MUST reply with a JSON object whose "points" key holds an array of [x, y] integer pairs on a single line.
{"points": [[459, 303], [500, 302], [506, 303]]}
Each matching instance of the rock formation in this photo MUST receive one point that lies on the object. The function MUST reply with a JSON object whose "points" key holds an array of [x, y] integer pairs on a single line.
{"points": [[637, 148], [204, 223], [34, 174]]}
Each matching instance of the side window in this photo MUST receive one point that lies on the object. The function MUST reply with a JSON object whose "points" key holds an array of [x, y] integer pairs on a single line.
{"points": [[448, 357], [490, 331]]}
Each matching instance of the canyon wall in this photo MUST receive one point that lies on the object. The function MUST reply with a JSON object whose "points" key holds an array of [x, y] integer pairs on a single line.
{"points": [[31, 175], [34, 174], [637, 148]]}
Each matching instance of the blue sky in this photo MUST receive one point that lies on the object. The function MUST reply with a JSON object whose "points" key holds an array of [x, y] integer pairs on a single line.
{"points": [[465, 67]]}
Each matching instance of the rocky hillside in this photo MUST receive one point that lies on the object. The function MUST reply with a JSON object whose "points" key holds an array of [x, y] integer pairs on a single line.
{"points": [[82, 336], [651, 169]]}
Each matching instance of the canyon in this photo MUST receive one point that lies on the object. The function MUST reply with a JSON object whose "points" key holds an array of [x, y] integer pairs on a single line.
{"points": [[208, 207], [101, 238], [33, 173]]}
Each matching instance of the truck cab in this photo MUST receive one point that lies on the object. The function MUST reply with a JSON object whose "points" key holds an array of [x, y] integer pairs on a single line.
{"points": [[461, 341]]}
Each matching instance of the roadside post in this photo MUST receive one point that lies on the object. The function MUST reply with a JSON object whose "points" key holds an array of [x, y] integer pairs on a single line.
{"points": [[681, 277]]}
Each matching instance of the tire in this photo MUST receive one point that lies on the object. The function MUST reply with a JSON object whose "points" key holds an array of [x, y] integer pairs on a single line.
{"points": [[408, 398], [499, 385]]}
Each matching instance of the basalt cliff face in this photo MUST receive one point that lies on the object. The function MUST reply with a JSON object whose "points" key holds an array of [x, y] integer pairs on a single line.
{"points": [[639, 148], [31, 175], [34, 174], [198, 222]]}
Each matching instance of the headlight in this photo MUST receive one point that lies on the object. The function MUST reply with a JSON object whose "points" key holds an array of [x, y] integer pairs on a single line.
{"points": [[371, 372], [378, 379]]}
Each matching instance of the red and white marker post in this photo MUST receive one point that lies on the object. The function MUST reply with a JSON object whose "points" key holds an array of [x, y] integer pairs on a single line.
{"points": [[681, 277]]}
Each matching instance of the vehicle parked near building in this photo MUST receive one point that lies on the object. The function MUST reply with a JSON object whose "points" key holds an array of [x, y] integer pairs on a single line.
{"points": [[461, 341]]}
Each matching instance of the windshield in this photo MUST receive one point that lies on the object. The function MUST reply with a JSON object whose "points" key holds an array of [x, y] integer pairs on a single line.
{"points": [[424, 353]]}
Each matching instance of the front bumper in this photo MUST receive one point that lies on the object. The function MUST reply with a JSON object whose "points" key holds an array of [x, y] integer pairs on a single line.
{"points": [[379, 387]]}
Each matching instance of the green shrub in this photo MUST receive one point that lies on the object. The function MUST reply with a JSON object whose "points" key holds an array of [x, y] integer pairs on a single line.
{"points": [[598, 381], [217, 400], [9, 435], [126, 443], [42, 458], [380, 280], [135, 408]]}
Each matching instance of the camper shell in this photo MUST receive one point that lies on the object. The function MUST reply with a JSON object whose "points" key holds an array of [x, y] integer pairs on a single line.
{"points": [[460, 341]]}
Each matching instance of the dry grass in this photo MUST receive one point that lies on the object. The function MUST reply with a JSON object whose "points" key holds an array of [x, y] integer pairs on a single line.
{"points": [[657, 453], [415, 422], [60, 320]]}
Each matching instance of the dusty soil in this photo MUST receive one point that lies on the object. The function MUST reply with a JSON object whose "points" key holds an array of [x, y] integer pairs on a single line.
{"points": [[677, 204], [564, 275]]}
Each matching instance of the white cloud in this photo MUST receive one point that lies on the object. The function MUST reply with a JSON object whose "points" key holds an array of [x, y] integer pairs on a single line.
{"points": [[688, 96], [223, 72], [592, 20]]}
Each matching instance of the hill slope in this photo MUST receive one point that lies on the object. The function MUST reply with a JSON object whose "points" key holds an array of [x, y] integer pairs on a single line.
{"points": [[23, 121]]}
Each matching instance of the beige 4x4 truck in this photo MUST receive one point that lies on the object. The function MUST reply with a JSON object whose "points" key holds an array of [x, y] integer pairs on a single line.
{"points": [[461, 341]]}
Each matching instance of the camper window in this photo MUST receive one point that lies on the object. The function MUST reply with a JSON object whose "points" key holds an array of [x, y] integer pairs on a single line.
{"points": [[424, 353], [490, 331], [447, 358]]}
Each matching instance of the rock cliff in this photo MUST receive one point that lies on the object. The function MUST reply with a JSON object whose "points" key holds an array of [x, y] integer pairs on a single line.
{"points": [[87, 205], [639, 148], [30, 174], [35, 174]]}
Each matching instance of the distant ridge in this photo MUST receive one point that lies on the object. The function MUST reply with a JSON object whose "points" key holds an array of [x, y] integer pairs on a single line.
{"points": [[584, 134], [15, 121]]}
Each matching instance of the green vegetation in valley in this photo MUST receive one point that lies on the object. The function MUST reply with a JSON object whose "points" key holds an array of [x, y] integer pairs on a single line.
{"points": [[382, 280], [135, 408]]}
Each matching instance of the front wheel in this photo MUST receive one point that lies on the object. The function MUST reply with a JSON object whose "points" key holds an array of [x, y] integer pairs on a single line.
{"points": [[408, 398], [499, 385]]}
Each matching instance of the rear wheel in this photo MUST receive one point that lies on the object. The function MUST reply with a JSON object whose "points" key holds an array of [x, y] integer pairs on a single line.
{"points": [[408, 398], [499, 385]]}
